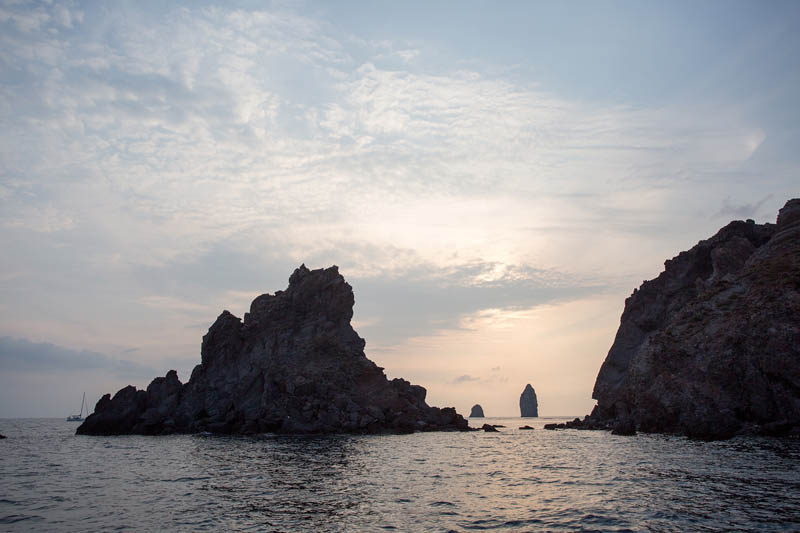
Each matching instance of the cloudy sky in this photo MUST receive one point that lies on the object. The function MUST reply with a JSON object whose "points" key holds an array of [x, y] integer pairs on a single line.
{"points": [[492, 179]]}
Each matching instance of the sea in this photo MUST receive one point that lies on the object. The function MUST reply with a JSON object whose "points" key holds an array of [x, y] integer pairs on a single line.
{"points": [[513, 480]]}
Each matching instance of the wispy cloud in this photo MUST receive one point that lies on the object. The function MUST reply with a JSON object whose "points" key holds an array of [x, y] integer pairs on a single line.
{"points": [[740, 211], [26, 356], [160, 163]]}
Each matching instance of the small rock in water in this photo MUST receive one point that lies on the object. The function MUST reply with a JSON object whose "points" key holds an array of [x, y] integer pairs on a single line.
{"points": [[488, 428], [525, 427], [2, 436], [477, 411]]}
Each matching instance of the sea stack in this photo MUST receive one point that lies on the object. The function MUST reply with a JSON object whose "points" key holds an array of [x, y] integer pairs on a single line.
{"points": [[477, 411], [711, 347], [528, 405], [293, 365]]}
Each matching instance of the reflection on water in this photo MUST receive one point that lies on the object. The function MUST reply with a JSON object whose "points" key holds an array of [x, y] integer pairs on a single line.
{"points": [[518, 480]]}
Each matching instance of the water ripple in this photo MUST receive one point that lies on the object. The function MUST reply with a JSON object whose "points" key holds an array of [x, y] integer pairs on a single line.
{"points": [[515, 480]]}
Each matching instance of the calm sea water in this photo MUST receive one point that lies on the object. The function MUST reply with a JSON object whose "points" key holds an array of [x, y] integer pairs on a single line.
{"points": [[52, 480]]}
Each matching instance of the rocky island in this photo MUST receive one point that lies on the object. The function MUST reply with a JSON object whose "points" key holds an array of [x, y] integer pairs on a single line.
{"points": [[293, 365], [476, 412], [711, 347], [528, 404]]}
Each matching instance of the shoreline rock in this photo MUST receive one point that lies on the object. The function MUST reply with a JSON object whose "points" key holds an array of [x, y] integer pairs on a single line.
{"points": [[711, 347], [294, 364]]}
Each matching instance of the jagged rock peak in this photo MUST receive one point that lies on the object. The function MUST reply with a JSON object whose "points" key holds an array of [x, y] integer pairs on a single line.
{"points": [[711, 347], [293, 365], [528, 404], [476, 412], [789, 214]]}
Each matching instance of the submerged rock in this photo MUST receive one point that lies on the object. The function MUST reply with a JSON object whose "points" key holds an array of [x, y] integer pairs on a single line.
{"points": [[293, 365], [489, 428], [528, 405], [525, 427], [476, 412], [711, 347]]}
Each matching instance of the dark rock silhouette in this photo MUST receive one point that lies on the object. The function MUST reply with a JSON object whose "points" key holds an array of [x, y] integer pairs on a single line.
{"points": [[2, 436], [293, 365], [525, 427], [711, 347], [476, 412], [572, 424], [528, 405], [489, 428], [626, 426]]}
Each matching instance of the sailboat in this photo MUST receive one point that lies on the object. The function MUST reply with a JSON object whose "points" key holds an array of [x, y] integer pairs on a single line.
{"points": [[79, 418]]}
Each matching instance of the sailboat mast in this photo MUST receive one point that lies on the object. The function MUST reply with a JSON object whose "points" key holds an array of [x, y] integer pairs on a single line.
{"points": [[83, 402]]}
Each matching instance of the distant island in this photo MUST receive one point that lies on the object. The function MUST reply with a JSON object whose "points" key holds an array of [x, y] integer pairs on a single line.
{"points": [[476, 412], [711, 347], [528, 404], [293, 365]]}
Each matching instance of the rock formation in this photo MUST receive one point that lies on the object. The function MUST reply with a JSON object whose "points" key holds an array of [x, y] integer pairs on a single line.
{"points": [[528, 405], [711, 347], [293, 365], [489, 428], [476, 412]]}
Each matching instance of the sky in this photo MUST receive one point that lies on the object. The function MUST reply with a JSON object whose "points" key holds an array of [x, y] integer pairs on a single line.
{"points": [[493, 179]]}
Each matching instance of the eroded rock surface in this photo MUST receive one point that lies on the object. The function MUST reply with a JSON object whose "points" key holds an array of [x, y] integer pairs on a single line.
{"points": [[293, 365], [711, 347], [528, 404]]}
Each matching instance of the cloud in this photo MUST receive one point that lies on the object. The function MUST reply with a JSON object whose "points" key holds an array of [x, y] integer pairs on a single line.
{"points": [[730, 210], [22, 355], [158, 165], [465, 379], [427, 300]]}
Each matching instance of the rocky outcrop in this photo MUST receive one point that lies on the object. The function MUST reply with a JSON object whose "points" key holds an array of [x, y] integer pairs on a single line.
{"points": [[711, 347], [293, 365], [489, 428], [476, 412], [526, 427], [528, 405]]}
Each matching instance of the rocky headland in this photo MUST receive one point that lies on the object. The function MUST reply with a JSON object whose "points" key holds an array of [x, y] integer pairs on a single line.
{"points": [[476, 412], [711, 347], [528, 404], [293, 365]]}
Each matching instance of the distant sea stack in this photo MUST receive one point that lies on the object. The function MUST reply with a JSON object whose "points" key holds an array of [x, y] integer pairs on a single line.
{"points": [[528, 405], [293, 365], [477, 411], [711, 347]]}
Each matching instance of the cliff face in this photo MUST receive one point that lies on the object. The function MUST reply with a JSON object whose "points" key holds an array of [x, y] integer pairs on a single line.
{"points": [[293, 365], [711, 347], [528, 404]]}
